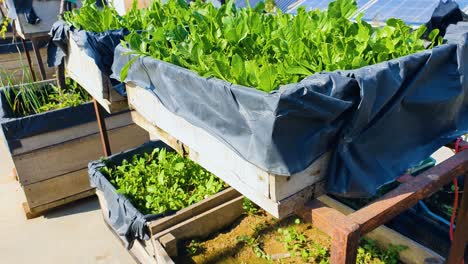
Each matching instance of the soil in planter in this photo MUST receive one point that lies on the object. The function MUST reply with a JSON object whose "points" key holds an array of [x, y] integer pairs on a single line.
{"points": [[260, 238]]}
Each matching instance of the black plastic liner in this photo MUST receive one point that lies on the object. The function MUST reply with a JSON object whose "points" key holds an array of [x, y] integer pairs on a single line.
{"points": [[15, 128], [98, 46], [377, 120], [124, 218]]}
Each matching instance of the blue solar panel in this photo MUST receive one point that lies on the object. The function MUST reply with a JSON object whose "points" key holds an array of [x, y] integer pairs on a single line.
{"points": [[320, 4], [411, 11]]}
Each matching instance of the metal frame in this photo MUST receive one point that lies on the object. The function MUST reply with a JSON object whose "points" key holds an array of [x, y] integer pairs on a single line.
{"points": [[346, 230]]}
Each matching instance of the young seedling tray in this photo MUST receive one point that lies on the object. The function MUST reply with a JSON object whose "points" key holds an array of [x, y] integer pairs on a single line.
{"points": [[277, 194], [83, 69], [195, 221], [50, 151]]}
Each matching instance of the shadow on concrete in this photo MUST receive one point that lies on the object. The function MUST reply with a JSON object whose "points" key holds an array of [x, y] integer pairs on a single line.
{"points": [[81, 206]]}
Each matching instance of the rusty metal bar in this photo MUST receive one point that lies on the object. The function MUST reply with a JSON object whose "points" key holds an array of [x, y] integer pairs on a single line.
{"points": [[102, 128], [457, 250], [409, 193]]}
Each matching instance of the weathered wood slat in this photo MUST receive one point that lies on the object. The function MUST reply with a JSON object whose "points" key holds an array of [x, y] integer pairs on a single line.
{"points": [[63, 135], [36, 211], [193, 210], [73, 155], [207, 222], [56, 188]]}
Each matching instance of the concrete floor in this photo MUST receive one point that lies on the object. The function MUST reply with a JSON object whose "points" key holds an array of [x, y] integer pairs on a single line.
{"points": [[72, 234]]}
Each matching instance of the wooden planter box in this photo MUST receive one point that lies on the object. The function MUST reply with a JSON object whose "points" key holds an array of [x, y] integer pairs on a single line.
{"points": [[50, 162], [277, 194], [196, 221], [82, 68]]}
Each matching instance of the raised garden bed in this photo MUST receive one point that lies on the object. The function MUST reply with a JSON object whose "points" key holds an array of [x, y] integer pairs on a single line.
{"points": [[154, 238], [270, 122], [50, 150]]}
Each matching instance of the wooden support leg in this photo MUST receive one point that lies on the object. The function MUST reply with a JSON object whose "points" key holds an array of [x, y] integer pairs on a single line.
{"points": [[345, 233], [345, 243], [37, 53], [457, 250], [28, 57], [60, 73], [102, 128]]}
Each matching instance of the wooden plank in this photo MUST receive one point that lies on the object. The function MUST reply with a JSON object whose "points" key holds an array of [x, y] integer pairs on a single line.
{"points": [[82, 68], [37, 211], [193, 210], [161, 256], [59, 136], [208, 222], [283, 187], [293, 203], [415, 252], [169, 242], [409, 193], [6, 162], [57, 188], [73, 155]]}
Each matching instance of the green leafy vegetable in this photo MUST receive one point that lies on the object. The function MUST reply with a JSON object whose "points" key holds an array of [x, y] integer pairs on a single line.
{"points": [[162, 181], [252, 46], [258, 49]]}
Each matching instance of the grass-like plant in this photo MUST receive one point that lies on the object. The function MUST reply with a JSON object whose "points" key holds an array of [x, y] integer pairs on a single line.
{"points": [[31, 97]]}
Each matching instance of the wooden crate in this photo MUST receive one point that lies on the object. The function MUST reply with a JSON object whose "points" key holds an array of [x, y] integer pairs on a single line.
{"points": [[277, 194], [82, 68], [196, 221], [52, 167]]}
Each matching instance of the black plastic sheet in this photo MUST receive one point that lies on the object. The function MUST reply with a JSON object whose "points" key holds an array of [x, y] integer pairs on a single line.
{"points": [[123, 217], [98, 46], [377, 120]]}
